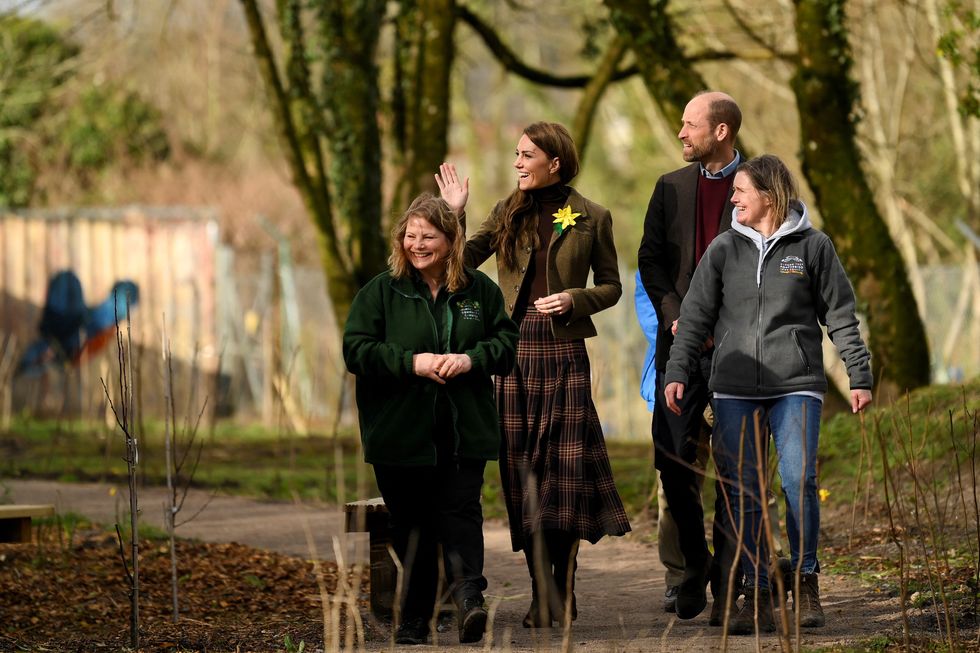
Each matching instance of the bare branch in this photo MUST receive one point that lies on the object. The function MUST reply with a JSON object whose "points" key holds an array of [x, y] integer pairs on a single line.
{"points": [[751, 32], [122, 556], [509, 59], [585, 114]]}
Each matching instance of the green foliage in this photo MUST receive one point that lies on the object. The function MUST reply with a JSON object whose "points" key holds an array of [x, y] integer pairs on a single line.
{"points": [[961, 45], [292, 647], [924, 416], [255, 582], [33, 62], [53, 120], [877, 644], [107, 123]]}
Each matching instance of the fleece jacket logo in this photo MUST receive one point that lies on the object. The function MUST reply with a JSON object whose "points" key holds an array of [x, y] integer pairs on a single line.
{"points": [[792, 265], [469, 309]]}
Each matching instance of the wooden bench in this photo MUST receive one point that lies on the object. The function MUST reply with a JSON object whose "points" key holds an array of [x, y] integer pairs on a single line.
{"points": [[371, 516], [15, 521]]}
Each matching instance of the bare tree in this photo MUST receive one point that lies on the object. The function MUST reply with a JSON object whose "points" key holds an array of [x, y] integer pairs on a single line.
{"points": [[181, 448], [124, 409]]}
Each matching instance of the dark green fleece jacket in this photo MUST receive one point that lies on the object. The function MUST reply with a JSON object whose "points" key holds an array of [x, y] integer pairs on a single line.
{"points": [[391, 320]]}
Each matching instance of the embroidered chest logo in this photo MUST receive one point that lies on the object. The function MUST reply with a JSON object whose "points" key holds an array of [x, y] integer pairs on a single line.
{"points": [[469, 309], [792, 265]]}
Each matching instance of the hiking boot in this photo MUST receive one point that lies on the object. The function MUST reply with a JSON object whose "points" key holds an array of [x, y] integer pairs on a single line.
{"points": [[717, 617], [472, 620], [807, 602], [691, 596], [744, 622], [784, 568], [670, 598], [414, 631]]}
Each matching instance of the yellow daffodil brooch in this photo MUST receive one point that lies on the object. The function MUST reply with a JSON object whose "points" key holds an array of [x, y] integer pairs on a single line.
{"points": [[564, 219]]}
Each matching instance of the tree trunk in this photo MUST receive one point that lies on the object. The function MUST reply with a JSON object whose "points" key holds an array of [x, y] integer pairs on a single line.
{"points": [[331, 140], [349, 31], [667, 72], [825, 97], [426, 56]]}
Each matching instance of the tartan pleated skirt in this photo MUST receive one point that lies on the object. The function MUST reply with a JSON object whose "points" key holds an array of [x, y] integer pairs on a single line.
{"points": [[553, 460]]}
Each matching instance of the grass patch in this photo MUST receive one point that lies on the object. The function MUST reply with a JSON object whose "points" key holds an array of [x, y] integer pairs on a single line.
{"points": [[247, 461], [250, 461]]}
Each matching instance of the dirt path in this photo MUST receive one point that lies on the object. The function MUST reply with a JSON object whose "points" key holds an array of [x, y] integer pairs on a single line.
{"points": [[619, 584]]}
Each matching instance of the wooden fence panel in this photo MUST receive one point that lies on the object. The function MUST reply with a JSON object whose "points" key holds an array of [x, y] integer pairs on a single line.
{"points": [[169, 253]]}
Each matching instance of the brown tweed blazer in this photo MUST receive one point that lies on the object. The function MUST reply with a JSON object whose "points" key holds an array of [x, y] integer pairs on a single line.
{"points": [[586, 245]]}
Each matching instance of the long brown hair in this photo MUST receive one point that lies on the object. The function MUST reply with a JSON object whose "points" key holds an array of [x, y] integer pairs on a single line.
{"points": [[516, 227], [436, 212]]}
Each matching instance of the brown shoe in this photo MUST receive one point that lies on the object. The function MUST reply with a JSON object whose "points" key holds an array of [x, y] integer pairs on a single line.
{"points": [[744, 622], [807, 602]]}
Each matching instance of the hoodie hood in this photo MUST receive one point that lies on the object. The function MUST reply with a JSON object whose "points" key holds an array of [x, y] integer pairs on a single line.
{"points": [[797, 220]]}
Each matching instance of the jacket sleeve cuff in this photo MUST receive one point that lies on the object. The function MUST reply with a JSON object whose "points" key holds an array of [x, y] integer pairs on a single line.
{"points": [[407, 363], [478, 359], [674, 376]]}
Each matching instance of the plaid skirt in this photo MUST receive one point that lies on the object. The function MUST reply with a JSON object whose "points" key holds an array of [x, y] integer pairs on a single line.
{"points": [[553, 460]]}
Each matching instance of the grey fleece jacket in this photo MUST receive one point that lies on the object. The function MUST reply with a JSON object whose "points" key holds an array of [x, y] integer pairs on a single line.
{"points": [[763, 300]]}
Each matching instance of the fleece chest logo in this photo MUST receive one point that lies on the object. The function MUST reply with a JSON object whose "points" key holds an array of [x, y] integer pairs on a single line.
{"points": [[469, 309], [792, 265]]}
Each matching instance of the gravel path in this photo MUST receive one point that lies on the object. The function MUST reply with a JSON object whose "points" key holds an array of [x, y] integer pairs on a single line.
{"points": [[619, 584]]}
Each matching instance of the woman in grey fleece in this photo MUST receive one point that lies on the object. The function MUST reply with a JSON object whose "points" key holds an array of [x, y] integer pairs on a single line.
{"points": [[760, 293]]}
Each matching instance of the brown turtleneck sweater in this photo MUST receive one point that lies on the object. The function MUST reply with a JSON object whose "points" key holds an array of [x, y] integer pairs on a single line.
{"points": [[547, 201]]}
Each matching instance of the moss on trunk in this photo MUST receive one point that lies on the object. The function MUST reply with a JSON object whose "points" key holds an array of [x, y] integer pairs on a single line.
{"points": [[825, 97]]}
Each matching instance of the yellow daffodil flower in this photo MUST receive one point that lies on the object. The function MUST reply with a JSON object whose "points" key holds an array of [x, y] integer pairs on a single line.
{"points": [[564, 219], [824, 494]]}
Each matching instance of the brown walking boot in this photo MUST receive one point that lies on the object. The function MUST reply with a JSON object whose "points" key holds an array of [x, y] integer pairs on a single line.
{"points": [[807, 602], [744, 622]]}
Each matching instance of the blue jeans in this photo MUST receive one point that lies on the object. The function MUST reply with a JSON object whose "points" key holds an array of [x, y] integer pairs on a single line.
{"points": [[794, 423]]}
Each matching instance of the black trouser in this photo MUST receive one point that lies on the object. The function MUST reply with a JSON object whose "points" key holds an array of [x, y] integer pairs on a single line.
{"points": [[676, 440], [429, 506]]}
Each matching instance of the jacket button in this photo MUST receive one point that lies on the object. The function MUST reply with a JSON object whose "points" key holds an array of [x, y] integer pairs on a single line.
{"points": [[517, 287], [523, 270], [510, 306]]}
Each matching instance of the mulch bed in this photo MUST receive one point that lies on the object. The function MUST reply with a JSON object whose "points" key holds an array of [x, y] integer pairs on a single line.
{"points": [[60, 596]]}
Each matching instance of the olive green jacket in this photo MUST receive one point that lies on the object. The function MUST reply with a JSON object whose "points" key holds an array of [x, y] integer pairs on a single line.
{"points": [[588, 244]]}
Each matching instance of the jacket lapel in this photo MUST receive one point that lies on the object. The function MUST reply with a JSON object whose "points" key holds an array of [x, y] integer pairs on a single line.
{"points": [[687, 205]]}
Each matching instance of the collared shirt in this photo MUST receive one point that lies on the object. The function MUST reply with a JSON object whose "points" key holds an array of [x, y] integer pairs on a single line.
{"points": [[724, 172]]}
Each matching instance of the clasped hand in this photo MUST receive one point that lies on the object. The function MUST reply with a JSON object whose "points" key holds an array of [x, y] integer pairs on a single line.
{"points": [[556, 304], [440, 367]]}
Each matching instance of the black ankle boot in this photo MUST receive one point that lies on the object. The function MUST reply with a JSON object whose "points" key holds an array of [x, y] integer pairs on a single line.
{"points": [[538, 615]]}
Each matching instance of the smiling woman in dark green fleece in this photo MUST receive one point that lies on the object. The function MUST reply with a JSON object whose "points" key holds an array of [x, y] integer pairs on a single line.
{"points": [[423, 339]]}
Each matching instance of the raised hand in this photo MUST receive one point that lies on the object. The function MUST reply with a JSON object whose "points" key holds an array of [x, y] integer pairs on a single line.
{"points": [[451, 189]]}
